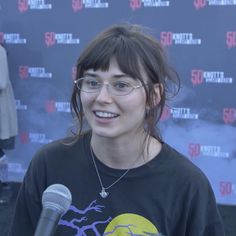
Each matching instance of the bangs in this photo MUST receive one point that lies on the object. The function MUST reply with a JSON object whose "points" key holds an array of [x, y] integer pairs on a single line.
{"points": [[98, 56]]}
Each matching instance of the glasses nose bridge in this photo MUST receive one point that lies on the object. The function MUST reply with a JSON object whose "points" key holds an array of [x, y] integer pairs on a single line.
{"points": [[106, 85]]}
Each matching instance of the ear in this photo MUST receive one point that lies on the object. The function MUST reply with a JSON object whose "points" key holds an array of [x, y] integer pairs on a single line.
{"points": [[158, 90]]}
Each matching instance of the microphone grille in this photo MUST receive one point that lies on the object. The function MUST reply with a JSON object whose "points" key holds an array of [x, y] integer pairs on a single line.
{"points": [[57, 197]]}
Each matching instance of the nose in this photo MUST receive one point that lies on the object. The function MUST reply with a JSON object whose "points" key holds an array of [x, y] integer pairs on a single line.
{"points": [[104, 95]]}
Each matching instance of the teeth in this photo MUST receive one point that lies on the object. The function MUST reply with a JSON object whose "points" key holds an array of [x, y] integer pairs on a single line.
{"points": [[105, 114]]}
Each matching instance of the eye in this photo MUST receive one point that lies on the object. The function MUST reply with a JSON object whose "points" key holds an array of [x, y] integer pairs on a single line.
{"points": [[91, 83], [122, 85]]}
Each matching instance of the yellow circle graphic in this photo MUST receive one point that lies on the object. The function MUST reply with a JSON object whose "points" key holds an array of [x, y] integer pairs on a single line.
{"points": [[130, 224]]}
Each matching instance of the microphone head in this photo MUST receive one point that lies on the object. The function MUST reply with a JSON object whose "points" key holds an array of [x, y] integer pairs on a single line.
{"points": [[57, 197]]}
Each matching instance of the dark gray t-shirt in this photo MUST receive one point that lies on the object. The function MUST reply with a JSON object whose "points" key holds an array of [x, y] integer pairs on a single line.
{"points": [[168, 196]]}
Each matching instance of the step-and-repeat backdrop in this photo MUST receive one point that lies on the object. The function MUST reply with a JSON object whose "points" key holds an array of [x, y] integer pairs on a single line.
{"points": [[44, 38]]}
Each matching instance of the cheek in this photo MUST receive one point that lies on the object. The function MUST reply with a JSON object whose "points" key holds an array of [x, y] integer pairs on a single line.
{"points": [[86, 99], [141, 100], [136, 104]]}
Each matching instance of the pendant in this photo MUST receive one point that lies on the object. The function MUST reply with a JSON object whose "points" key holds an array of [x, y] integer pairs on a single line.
{"points": [[103, 193]]}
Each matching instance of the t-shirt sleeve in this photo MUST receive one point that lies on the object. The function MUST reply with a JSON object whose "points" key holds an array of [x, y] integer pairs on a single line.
{"points": [[203, 215], [195, 210], [28, 204]]}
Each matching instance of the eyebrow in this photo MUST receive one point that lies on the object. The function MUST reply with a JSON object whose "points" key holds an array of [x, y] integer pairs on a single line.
{"points": [[94, 75]]}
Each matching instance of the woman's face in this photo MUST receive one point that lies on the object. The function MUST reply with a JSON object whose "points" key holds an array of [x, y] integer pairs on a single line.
{"points": [[110, 115]]}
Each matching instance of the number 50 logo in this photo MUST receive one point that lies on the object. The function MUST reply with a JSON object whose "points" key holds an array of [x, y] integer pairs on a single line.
{"points": [[199, 4], [135, 4], [166, 38], [225, 188], [229, 115], [231, 39], [197, 77]]}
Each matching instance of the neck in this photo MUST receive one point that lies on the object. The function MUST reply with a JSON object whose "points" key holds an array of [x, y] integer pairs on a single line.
{"points": [[124, 154]]}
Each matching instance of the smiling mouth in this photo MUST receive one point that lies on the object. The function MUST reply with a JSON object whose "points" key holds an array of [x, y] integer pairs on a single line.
{"points": [[103, 114]]}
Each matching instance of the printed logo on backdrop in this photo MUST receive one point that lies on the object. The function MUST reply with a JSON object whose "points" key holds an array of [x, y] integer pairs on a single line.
{"points": [[199, 77], [229, 115], [25, 5], [178, 113], [20, 106], [231, 39], [28, 137], [169, 38], [227, 188], [198, 4], [78, 5], [52, 106], [196, 150], [52, 38], [137, 4], [34, 72], [12, 38]]}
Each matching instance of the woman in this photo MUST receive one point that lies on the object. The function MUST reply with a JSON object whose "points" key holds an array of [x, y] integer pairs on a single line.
{"points": [[8, 116], [124, 179]]}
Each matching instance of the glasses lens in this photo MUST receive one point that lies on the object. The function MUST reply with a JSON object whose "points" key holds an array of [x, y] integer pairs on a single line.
{"points": [[121, 88], [116, 87], [88, 85]]}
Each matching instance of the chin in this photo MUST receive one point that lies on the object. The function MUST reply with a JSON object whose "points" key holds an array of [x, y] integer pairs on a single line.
{"points": [[105, 133]]}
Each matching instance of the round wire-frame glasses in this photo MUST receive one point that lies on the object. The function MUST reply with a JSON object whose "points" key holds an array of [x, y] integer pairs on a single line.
{"points": [[117, 87]]}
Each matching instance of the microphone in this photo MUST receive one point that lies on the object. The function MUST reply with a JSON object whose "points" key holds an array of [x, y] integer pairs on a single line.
{"points": [[56, 200]]}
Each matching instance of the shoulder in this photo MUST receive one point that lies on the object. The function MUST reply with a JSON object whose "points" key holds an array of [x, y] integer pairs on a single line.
{"points": [[61, 150], [189, 181], [182, 169], [177, 160], [53, 161]]}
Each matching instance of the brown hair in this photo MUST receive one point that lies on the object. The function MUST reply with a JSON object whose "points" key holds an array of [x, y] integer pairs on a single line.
{"points": [[134, 50]]}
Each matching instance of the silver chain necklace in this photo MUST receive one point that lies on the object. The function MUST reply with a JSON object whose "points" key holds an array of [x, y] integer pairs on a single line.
{"points": [[103, 192]]}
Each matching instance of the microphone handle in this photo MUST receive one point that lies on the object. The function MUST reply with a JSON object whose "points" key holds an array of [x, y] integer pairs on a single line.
{"points": [[47, 223]]}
